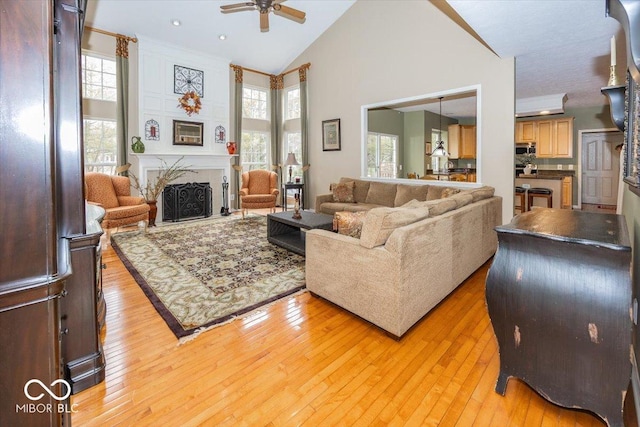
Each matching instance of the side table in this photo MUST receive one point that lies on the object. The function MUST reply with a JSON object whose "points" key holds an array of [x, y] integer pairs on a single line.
{"points": [[560, 300], [299, 187]]}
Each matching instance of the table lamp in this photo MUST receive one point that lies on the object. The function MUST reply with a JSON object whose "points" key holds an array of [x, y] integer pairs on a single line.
{"points": [[291, 162]]}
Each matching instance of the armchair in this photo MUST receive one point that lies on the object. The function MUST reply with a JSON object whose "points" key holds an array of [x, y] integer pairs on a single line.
{"points": [[113, 193], [259, 190]]}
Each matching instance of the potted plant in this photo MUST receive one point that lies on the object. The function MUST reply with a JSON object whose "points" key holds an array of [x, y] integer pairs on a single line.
{"points": [[153, 188]]}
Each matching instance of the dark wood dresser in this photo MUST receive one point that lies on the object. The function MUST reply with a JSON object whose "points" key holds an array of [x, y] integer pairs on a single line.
{"points": [[559, 298]]}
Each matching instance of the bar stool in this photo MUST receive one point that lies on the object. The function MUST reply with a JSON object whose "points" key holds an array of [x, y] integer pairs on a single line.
{"points": [[545, 193], [521, 193]]}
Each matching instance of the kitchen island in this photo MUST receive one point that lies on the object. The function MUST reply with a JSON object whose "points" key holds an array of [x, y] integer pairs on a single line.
{"points": [[552, 182]]}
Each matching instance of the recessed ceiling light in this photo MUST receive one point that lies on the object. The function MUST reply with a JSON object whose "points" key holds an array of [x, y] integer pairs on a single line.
{"points": [[222, 36], [545, 112], [176, 22]]}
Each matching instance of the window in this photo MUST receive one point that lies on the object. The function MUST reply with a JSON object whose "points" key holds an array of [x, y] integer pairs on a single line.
{"points": [[254, 151], [382, 155], [254, 103], [98, 78], [100, 146], [292, 103]]}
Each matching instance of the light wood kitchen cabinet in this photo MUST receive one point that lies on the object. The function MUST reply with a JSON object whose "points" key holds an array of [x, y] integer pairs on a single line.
{"points": [[555, 138], [567, 192], [526, 131], [471, 177], [462, 142]]}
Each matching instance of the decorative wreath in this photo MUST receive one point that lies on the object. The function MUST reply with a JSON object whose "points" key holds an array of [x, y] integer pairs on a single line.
{"points": [[191, 103]]}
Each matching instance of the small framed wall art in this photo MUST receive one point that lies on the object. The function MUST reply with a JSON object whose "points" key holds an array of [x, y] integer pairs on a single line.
{"points": [[151, 130], [188, 133], [331, 135]]}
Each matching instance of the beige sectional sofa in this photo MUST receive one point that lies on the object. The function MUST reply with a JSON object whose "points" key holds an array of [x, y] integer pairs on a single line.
{"points": [[408, 257]]}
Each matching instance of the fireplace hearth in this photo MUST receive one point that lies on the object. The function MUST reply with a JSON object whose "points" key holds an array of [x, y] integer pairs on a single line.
{"points": [[186, 201]]}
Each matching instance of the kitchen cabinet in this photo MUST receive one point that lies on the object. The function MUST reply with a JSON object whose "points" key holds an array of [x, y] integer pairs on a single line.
{"points": [[526, 131], [471, 177], [555, 138], [567, 192], [462, 142]]}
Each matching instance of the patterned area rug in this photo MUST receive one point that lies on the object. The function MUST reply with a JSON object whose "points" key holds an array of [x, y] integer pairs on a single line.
{"points": [[204, 273]]}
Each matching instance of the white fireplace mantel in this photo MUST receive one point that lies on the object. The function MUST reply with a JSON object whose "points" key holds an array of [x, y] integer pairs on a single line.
{"points": [[153, 162]]}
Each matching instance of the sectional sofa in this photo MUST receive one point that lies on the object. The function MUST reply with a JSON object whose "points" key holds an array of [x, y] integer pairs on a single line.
{"points": [[415, 247]]}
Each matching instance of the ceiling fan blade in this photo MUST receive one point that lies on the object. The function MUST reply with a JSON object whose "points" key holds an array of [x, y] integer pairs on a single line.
{"points": [[264, 22], [240, 9], [289, 13], [236, 5]]}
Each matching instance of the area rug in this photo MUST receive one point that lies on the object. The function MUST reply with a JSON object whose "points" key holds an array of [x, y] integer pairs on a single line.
{"points": [[205, 273]]}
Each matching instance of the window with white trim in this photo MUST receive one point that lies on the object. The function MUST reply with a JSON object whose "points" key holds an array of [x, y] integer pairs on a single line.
{"points": [[382, 154], [254, 103], [292, 103], [98, 78], [100, 146], [254, 153]]}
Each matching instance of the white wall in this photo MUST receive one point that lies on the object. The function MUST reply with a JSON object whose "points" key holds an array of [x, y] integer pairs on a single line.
{"points": [[158, 101], [382, 50]]}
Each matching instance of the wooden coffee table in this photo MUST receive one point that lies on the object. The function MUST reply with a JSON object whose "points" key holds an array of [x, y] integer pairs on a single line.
{"points": [[289, 233]]}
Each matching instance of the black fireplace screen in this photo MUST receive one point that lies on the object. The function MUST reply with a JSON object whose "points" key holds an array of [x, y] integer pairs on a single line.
{"points": [[186, 201]]}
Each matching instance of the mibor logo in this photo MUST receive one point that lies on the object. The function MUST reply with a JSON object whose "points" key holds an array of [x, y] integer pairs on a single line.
{"points": [[47, 389]]}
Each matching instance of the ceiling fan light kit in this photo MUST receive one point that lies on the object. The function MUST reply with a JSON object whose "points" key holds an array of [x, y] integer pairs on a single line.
{"points": [[265, 7]]}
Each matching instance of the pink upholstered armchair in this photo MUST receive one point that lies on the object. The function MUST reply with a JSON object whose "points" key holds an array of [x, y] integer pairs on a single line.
{"points": [[113, 193], [259, 190]]}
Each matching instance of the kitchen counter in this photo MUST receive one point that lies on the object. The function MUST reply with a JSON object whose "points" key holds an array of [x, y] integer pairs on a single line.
{"points": [[538, 177]]}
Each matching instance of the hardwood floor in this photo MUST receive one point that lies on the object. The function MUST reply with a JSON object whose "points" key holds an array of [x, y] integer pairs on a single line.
{"points": [[304, 361]]}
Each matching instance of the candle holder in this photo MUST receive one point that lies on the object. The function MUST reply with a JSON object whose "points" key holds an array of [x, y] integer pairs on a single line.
{"points": [[613, 78]]}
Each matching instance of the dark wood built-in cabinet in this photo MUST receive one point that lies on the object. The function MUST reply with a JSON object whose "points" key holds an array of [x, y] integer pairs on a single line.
{"points": [[50, 296], [559, 298]]}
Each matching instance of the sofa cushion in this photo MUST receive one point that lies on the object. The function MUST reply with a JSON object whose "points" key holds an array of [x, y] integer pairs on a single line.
{"points": [[343, 192], [482, 193], [462, 199], [349, 223], [360, 190], [379, 223], [406, 193], [440, 206], [381, 193], [333, 207], [435, 191]]}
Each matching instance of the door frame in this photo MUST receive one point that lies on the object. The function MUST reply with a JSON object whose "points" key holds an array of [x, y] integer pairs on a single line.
{"points": [[581, 134]]}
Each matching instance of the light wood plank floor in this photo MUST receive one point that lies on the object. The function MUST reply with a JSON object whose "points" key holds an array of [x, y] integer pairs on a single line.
{"points": [[306, 362]]}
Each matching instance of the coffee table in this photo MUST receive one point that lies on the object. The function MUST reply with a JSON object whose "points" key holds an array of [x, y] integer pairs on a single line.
{"points": [[289, 233]]}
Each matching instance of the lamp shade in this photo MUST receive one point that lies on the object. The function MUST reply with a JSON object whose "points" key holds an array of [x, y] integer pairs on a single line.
{"points": [[291, 160]]}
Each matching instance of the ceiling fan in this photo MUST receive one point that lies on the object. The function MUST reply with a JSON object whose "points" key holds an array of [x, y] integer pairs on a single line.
{"points": [[266, 6]]}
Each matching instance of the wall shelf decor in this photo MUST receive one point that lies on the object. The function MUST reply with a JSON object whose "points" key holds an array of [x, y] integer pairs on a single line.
{"points": [[187, 80], [220, 135], [152, 130]]}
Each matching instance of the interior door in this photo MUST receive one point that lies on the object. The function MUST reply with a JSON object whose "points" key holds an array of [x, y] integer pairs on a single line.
{"points": [[600, 167]]}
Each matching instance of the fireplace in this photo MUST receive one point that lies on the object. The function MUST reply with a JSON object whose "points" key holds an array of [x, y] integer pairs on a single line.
{"points": [[186, 201], [206, 168]]}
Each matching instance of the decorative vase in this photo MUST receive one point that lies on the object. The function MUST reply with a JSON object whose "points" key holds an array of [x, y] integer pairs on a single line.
{"points": [[527, 169], [136, 145], [231, 147], [153, 211]]}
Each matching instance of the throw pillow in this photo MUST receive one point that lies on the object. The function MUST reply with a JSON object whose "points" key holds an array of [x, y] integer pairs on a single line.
{"points": [[343, 192], [484, 192], [381, 222], [447, 192], [440, 206], [349, 223]]}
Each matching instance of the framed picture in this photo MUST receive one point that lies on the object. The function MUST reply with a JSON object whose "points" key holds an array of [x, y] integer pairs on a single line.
{"points": [[632, 134], [331, 135], [188, 133]]}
